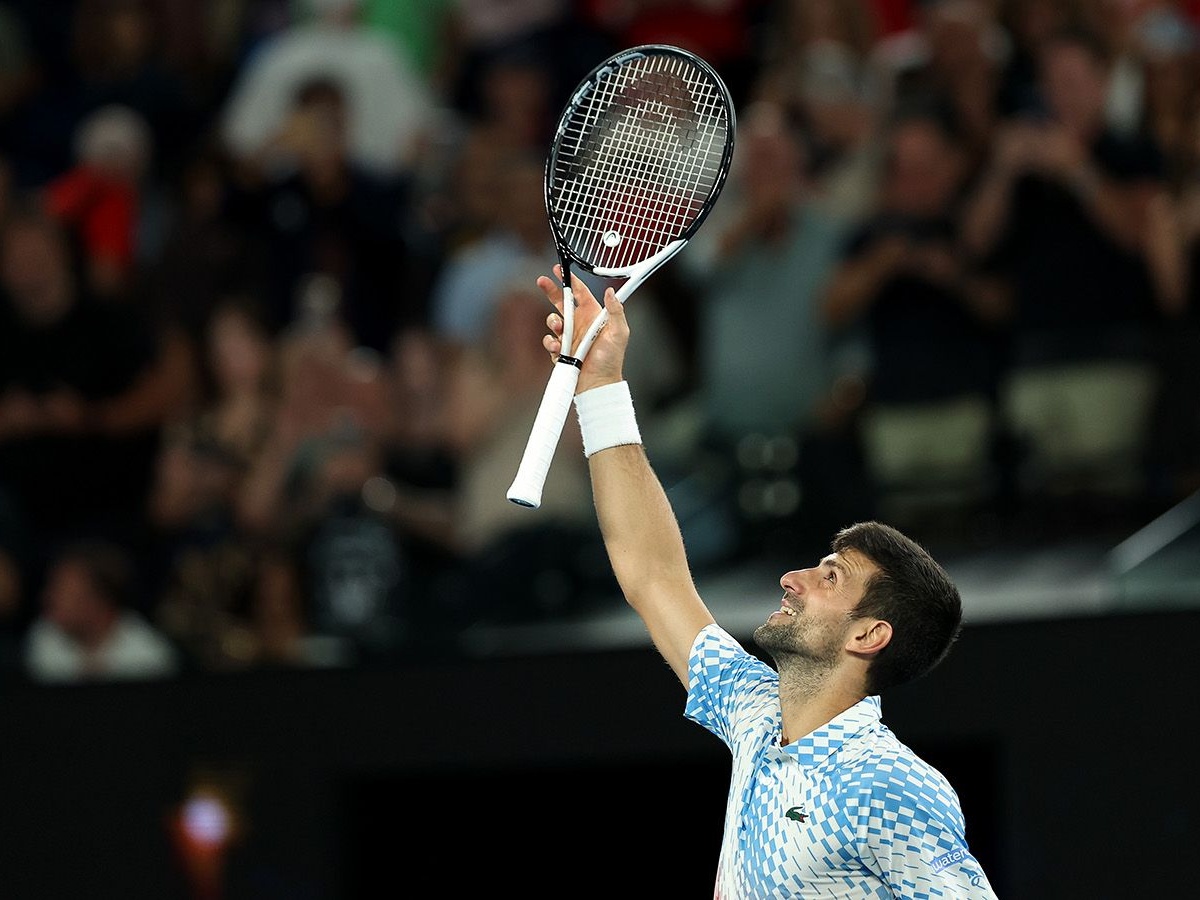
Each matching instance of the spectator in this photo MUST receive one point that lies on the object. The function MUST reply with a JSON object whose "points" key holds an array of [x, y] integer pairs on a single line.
{"points": [[514, 236], [1073, 212], [419, 29], [240, 604], [330, 389], [353, 557], [277, 604], [932, 319], [119, 60], [767, 258], [227, 601], [206, 451], [88, 628], [799, 25], [84, 389], [826, 86], [535, 565], [935, 327], [957, 60], [206, 253], [318, 482], [515, 242], [482, 32], [1077, 215], [1027, 25], [818, 63], [326, 213], [100, 199], [723, 32], [1116, 26], [518, 108], [241, 368], [457, 198], [417, 387], [388, 103], [1166, 46]]}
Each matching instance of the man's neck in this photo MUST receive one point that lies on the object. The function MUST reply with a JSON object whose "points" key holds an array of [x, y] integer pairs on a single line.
{"points": [[810, 700]]}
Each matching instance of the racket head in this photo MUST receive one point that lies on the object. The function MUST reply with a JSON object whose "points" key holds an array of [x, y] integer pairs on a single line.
{"points": [[639, 157]]}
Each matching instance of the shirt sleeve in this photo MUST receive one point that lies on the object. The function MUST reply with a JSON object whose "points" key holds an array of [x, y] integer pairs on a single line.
{"points": [[727, 686], [912, 835]]}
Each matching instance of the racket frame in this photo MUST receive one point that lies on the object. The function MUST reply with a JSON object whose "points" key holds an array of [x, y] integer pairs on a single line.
{"points": [[526, 488]]}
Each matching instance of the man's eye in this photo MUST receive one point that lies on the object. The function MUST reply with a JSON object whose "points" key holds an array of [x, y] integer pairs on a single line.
{"points": [[831, 577]]}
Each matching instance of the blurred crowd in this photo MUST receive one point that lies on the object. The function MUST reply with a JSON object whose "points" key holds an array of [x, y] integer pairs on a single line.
{"points": [[269, 327]]}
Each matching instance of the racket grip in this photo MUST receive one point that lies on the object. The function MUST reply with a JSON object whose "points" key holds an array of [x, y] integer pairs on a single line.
{"points": [[526, 489]]}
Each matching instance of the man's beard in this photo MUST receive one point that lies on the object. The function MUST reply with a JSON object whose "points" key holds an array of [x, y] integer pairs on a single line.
{"points": [[800, 640]]}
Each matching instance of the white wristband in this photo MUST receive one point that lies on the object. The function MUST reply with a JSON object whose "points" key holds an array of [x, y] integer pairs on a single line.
{"points": [[606, 417]]}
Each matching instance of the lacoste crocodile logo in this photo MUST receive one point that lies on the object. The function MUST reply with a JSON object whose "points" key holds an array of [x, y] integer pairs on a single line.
{"points": [[797, 813]]}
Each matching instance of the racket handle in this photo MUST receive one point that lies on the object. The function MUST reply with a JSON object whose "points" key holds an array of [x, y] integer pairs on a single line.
{"points": [[526, 489]]}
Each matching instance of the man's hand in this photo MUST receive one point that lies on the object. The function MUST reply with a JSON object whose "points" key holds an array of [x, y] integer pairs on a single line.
{"points": [[605, 360]]}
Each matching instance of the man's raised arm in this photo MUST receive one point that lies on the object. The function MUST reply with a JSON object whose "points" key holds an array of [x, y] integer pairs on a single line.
{"points": [[641, 533]]}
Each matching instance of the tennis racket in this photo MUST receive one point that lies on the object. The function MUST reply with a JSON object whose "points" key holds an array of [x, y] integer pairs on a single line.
{"points": [[638, 160]]}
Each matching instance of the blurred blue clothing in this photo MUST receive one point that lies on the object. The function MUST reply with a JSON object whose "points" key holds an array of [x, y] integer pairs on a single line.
{"points": [[763, 348], [477, 275]]}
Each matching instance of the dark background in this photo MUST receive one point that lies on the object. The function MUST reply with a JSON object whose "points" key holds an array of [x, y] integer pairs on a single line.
{"points": [[1070, 742]]}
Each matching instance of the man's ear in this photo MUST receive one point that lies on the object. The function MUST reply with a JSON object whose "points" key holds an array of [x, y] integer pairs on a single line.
{"points": [[869, 636]]}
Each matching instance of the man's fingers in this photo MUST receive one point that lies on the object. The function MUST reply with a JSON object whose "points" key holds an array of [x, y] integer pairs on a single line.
{"points": [[581, 290], [615, 308], [551, 289]]}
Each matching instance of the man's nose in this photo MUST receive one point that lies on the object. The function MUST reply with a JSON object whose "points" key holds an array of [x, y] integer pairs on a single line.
{"points": [[794, 580]]}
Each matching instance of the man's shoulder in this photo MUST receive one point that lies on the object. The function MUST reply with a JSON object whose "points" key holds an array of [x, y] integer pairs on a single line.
{"points": [[713, 644], [718, 657], [879, 762]]}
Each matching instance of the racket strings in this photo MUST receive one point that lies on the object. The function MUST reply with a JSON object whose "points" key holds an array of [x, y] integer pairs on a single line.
{"points": [[670, 216], [658, 197], [641, 149], [649, 143]]}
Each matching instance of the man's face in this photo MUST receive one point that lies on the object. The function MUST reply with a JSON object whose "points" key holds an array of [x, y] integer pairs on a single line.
{"points": [[814, 616]]}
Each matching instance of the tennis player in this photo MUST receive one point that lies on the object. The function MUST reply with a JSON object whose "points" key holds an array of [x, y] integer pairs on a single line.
{"points": [[824, 800]]}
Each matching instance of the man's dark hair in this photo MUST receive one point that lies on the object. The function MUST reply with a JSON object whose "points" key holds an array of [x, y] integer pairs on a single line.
{"points": [[913, 593]]}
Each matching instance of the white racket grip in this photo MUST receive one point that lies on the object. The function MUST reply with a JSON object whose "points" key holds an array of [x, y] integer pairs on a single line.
{"points": [[526, 489]]}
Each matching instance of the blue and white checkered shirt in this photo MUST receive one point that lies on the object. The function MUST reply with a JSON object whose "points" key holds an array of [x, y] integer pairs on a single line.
{"points": [[846, 811]]}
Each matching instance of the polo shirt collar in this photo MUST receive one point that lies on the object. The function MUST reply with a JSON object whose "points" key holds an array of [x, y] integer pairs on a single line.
{"points": [[818, 745]]}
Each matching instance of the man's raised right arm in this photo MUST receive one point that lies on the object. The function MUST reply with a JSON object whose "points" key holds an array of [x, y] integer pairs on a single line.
{"points": [[640, 531]]}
